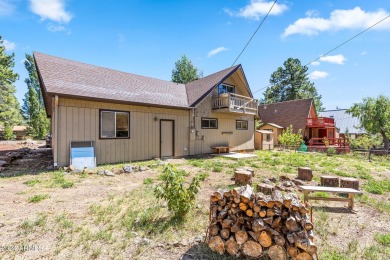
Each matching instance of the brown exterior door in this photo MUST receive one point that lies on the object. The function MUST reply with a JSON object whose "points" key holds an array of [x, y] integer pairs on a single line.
{"points": [[167, 141]]}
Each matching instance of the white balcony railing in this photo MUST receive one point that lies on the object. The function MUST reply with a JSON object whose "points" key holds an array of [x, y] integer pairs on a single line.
{"points": [[236, 103]]}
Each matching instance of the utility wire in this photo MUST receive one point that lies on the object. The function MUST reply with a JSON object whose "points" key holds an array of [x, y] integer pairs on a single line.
{"points": [[350, 39], [265, 17], [338, 46]]}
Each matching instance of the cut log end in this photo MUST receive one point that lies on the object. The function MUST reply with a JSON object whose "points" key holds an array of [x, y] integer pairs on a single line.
{"points": [[329, 181], [352, 183], [252, 249], [305, 174], [277, 252], [216, 244]]}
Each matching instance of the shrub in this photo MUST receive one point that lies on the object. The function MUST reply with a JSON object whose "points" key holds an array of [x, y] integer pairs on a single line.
{"points": [[384, 239], [8, 133], [180, 198], [59, 180], [331, 151], [377, 187], [38, 198], [148, 181]]}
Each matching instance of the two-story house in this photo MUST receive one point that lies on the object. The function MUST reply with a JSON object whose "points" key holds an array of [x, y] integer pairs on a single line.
{"points": [[127, 117]]}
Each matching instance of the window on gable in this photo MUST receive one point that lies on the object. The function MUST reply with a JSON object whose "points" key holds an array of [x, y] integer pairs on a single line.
{"points": [[225, 88], [114, 124], [242, 125], [210, 123]]}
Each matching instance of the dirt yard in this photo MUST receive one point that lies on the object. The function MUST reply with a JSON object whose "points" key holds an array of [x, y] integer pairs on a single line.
{"points": [[75, 216]]}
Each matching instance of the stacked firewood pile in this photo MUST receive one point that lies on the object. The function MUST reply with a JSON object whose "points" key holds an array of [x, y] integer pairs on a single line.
{"points": [[245, 223]]}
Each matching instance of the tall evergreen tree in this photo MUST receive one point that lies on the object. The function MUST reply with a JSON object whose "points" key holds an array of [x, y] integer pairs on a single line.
{"points": [[33, 108], [9, 106], [291, 82], [185, 71]]}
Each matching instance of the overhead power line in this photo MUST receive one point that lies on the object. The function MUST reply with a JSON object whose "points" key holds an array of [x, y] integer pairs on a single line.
{"points": [[350, 39], [262, 21], [338, 46]]}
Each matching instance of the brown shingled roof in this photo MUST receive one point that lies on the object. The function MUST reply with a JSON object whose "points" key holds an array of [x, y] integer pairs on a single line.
{"points": [[293, 112], [69, 78]]}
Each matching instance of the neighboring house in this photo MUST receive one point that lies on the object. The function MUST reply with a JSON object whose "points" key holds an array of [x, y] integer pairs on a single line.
{"points": [[300, 114], [20, 131], [128, 117], [345, 122]]}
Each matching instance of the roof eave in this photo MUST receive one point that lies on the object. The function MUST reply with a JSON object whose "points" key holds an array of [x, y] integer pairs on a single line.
{"points": [[194, 104], [104, 100]]}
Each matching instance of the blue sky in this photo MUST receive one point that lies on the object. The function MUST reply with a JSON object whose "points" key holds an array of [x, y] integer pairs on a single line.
{"points": [[147, 37]]}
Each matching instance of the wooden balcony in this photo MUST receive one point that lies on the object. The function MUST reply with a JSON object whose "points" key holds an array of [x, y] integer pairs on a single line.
{"points": [[233, 103], [320, 122]]}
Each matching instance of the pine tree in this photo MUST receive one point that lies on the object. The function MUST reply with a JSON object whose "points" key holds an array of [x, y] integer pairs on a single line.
{"points": [[291, 82], [185, 71], [9, 106], [33, 108]]}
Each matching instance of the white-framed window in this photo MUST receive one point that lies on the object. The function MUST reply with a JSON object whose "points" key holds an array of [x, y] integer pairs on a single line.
{"points": [[225, 88], [242, 125], [268, 137], [209, 123], [114, 124]]}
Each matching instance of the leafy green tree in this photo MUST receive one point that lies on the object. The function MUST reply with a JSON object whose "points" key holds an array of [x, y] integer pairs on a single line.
{"points": [[366, 142], [291, 82], [374, 116], [180, 199], [185, 71], [9, 106], [288, 138], [33, 108]]}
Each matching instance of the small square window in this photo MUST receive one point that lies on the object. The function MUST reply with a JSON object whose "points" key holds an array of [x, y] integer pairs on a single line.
{"points": [[242, 125], [114, 124], [209, 123]]}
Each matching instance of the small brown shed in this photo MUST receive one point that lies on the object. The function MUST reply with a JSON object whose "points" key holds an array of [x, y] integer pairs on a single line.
{"points": [[264, 140]]}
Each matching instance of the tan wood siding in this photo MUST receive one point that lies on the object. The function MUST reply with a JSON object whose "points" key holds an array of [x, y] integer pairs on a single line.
{"points": [[79, 121]]}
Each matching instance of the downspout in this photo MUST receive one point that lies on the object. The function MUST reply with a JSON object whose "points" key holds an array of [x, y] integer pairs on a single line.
{"points": [[55, 132]]}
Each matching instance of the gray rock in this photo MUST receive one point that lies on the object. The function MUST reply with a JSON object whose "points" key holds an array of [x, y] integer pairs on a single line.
{"points": [[2, 163], [198, 239], [109, 173], [143, 168], [142, 241], [100, 172], [128, 169]]}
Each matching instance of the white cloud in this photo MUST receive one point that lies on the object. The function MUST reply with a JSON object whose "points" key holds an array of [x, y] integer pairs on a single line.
{"points": [[256, 9], [315, 63], [53, 10], [217, 50], [339, 20], [56, 28], [6, 8], [9, 46], [318, 75], [337, 59], [363, 53], [312, 13]]}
